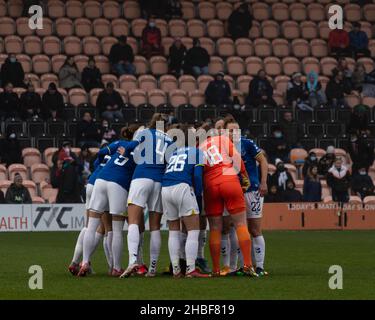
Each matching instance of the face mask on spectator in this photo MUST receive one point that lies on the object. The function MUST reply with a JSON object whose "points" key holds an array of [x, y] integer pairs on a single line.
{"points": [[278, 134], [13, 59], [67, 150], [151, 24], [353, 139], [313, 158], [362, 172]]}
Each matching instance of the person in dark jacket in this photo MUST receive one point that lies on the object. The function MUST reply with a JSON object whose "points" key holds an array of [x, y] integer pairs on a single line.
{"points": [[362, 184], [260, 91], [121, 57], [69, 184], [273, 195], [290, 194], [310, 160], [359, 120], [239, 22], [361, 150], [173, 9], [218, 91], [358, 41], [88, 133], [52, 103], [335, 90], [12, 152], [91, 76], [326, 162], [281, 176], [312, 188], [17, 193], [338, 179], [291, 129], [151, 41], [277, 146], [30, 103], [9, 103], [177, 53], [12, 72], [110, 103], [296, 94], [196, 60]]}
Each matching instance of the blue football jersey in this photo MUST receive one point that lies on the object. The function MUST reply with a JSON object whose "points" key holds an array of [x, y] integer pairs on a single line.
{"points": [[150, 154], [97, 167], [181, 165], [119, 169], [249, 152]]}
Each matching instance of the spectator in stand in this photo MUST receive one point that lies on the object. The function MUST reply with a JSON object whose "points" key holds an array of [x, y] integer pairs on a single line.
{"points": [[362, 184], [12, 72], [218, 91], [343, 66], [153, 8], [69, 184], [91, 76], [69, 76], [314, 90], [277, 146], [338, 43], [359, 119], [281, 176], [361, 150], [30, 103], [107, 134], [358, 41], [151, 40], [260, 91], [177, 53], [335, 90], [121, 57], [86, 164], [290, 194], [12, 150], [312, 188], [296, 94], [240, 21], [2, 198], [196, 60], [338, 179], [326, 162], [310, 160], [110, 103], [9, 103], [52, 103], [17, 193], [88, 133], [358, 76], [290, 128], [273, 195], [174, 9]]}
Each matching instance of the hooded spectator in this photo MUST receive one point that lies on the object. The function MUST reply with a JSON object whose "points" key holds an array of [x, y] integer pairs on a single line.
{"points": [[312, 188], [314, 90], [9, 103], [291, 129], [311, 160], [362, 184], [177, 53], [121, 57], [338, 43], [218, 91], [290, 194], [151, 41], [240, 21], [30, 103], [260, 91], [69, 76], [326, 162], [358, 41], [17, 193], [277, 146], [88, 133], [273, 195], [296, 94], [91, 76], [338, 179], [110, 103], [281, 176], [196, 60], [12, 72], [52, 103], [335, 90], [12, 150]]}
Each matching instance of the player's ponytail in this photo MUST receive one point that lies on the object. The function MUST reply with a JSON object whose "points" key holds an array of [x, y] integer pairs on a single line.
{"points": [[127, 133]]}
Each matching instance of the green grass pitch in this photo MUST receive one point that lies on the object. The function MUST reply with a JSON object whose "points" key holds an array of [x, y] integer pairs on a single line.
{"points": [[298, 263]]}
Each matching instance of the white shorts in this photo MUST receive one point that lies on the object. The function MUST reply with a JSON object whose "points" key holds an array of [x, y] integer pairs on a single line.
{"points": [[89, 188], [179, 201], [254, 204], [108, 196], [146, 192]]}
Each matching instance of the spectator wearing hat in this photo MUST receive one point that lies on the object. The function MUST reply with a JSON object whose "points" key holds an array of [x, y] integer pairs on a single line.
{"points": [[296, 94], [240, 21], [110, 103], [358, 41], [281, 176], [9, 103], [338, 43], [362, 184], [310, 160], [12, 72], [17, 193], [121, 57], [314, 90], [338, 179], [260, 91], [196, 60], [218, 91], [151, 40], [277, 146], [177, 53], [52, 103], [326, 162], [273, 195]]}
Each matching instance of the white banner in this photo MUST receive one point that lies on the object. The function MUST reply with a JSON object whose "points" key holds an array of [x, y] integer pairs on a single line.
{"points": [[15, 217]]}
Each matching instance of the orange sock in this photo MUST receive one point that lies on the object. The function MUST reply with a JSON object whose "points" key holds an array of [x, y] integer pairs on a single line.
{"points": [[215, 241], [244, 242]]}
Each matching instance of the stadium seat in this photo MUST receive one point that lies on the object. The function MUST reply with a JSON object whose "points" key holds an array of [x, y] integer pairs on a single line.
{"points": [[128, 82], [290, 30], [225, 47], [300, 48], [319, 48], [327, 65], [318, 151], [120, 27], [83, 27], [196, 28], [141, 65], [137, 97], [188, 10], [297, 156], [72, 46], [168, 83], [77, 96], [47, 28], [32, 45], [262, 48], [206, 10], [31, 156], [74, 9], [369, 12], [64, 27], [17, 168], [46, 79], [3, 8], [147, 82], [41, 64], [270, 29], [261, 11], [187, 83], [94, 93], [48, 193], [280, 11], [92, 9], [203, 82], [102, 63], [223, 10], [37, 200], [235, 66], [23, 29], [91, 46], [156, 97], [7, 26], [368, 64], [158, 65], [309, 30], [215, 28], [310, 64], [352, 12], [51, 45], [244, 47], [56, 9], [81, 62], [3, 173], [111, 9], [272, 66], [47, 155], [298, 12], [253, 65], [255, 31], [243, 83], [13, 44], [281, 83], [196, 98], [102, 28], [369, 200], [280, 48], [316, 12], [355, 200], [177, 28], [208, 44], [178, 97], [216, 65], [106, 78], [131, 10], [4, 185]]}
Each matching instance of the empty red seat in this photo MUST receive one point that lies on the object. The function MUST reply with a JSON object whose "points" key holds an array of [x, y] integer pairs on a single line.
{"points": [[309, 30], [300, 48], [47, 78], [72, 46], [83, 27], [223, 10], [156, 97], [51, 45], [92, 9], [188, 10], [64, 27], [7, 26], [280, 48], [298, 12], [215, 28], [137, 97], [235, 66], [177, 28], [102, 27], [111, 9], [260, 11], [57, 62], [41, 64], [244, 47], [225, 47], [291, 65], [270, 29], [196, 28], [23, 29], [168, 82], [272, 66], [13, 44], [262, 47], [131, 10], [206, 10], [159, 65], [74, 9], [178, 97], [40, 172], [316, 12], [77, 96], [56, 9], [280, 11], [15, 8], [253, 65], [120, 27], [47, 28], [290, 29], [32, 45], [128, 82], [91, 46], [31, 156], [196, 98], [147, 82]]}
